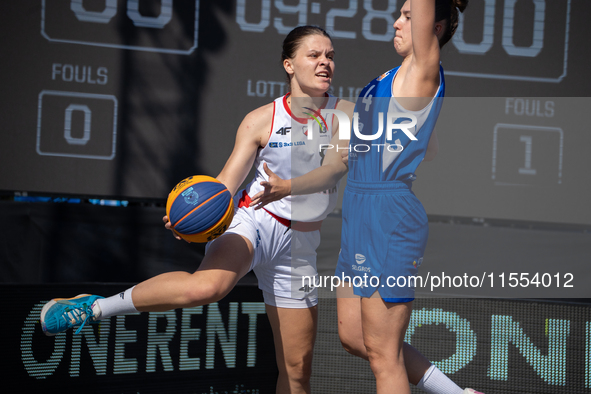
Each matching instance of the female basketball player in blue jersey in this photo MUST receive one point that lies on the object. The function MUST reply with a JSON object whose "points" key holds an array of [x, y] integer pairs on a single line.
{"points": [[374, 316], [384, 225]]}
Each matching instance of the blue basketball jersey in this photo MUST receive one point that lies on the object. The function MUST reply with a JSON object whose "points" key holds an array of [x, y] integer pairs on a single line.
{"points": [[390, 154]]}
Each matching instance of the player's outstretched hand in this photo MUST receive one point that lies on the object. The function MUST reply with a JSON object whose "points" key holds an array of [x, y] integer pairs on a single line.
{"points": [[275, 189], [168, 226], [345, 157]]}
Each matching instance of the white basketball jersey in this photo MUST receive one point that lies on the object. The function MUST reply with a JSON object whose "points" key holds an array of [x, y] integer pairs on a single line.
{"points": [[293, 150]]}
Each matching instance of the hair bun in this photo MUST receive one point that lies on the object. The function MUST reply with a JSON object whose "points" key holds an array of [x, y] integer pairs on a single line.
{"points": [[460, 4]]}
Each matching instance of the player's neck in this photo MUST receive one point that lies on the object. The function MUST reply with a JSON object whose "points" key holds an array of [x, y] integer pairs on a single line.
{"points": [[302, 103]]}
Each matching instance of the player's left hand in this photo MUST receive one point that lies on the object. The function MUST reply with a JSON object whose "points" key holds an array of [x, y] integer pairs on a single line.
{"points": [[275, 189]]}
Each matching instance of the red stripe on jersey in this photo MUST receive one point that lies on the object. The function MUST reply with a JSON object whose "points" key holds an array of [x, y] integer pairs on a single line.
{"points": [[245, 202], [302, 120], [272, 121]]}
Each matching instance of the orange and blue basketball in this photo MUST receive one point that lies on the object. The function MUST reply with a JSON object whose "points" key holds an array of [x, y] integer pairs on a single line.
{"points": [[200, 208]]}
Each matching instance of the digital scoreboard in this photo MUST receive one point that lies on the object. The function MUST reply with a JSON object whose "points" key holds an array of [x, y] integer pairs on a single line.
{"points": [[123, 98]]}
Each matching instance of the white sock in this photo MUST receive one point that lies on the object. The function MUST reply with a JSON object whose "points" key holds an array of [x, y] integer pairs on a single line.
{"points": [[119, 304], [436, 382]]}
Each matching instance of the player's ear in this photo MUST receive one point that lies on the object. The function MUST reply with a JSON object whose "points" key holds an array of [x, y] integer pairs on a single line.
{"points": [[288, 66], [439, 29]]}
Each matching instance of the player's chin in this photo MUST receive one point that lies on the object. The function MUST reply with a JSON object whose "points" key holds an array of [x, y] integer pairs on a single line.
{"points": [[400, 52], [319, 89], [325, 84]]}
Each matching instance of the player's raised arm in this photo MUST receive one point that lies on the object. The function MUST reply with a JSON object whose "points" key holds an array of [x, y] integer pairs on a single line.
{"points": [[425, 41], [423, 27]]}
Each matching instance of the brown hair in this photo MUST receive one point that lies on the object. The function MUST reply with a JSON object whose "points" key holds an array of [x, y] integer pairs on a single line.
{"points": [[294, 39], [447, 10]]}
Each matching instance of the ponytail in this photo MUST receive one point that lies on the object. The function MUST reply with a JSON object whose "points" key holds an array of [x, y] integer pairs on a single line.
{"points": [[447, 10]]}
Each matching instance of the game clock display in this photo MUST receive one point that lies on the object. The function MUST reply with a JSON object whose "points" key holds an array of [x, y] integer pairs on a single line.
{"points": [[113, 93]]}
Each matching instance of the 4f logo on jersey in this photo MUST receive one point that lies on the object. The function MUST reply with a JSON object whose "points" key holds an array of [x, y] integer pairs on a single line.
{"points": [[306, 288], [283, 130]]}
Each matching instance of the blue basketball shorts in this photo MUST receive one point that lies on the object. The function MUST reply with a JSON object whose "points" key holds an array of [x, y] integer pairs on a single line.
{"points": [[383, 239]]}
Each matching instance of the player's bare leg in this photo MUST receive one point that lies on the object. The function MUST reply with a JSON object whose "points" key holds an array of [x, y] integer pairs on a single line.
{"points": [[294, 333], [226, 261]]}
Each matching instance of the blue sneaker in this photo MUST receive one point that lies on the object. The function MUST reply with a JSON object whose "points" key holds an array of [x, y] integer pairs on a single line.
{"points": [[60, 314]]}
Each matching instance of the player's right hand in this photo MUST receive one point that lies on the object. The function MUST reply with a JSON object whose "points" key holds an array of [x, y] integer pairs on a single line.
{"points": [[274, 189]]}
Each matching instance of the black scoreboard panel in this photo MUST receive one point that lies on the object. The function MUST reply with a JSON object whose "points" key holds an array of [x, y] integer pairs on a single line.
{"points": [[123, 98], [510, 158]]}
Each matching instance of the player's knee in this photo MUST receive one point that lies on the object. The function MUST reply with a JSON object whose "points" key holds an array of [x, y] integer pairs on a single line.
{"points": [[382, 360], [351, 343], [347, 344], [377, 363], [299, 371], [374, 351]]}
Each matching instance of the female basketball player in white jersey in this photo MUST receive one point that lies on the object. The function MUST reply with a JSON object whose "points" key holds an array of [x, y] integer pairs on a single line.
{"points": [[274, 137]]}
